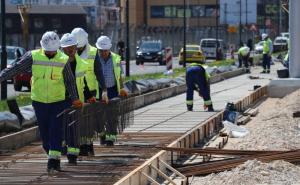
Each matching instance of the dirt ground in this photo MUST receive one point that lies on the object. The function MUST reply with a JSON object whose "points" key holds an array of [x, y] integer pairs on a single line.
{"points": [[274, 128]]}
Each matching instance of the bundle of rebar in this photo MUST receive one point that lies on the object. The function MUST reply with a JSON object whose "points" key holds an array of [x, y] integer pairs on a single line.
{"points": [[82, 124], [241, 156]]}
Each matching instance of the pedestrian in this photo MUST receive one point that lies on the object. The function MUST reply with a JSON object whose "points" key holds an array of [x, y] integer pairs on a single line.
{"points": [[267, 53], [198, 79], [110, 63], [94, 78], [79, 68], [244, 54], [51, 78]]}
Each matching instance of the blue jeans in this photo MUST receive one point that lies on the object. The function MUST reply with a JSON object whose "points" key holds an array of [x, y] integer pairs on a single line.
{"points": [[50, 125]]}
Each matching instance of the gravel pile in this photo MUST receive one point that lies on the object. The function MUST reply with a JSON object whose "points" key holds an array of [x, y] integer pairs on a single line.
{"points": [[255, 172], [274, 128]]}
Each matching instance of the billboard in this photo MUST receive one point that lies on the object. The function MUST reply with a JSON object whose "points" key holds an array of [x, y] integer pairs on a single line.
{"points": [[232, 11]]}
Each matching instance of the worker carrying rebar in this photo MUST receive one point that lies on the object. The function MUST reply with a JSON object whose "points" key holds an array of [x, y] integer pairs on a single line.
{"points": [[51, 78], [94, 78], [244, 54], [110, 63], [267, 52], [198, 79], [79, 69]]}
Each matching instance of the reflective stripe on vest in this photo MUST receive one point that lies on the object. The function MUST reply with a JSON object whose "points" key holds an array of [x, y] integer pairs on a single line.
{"points": [[54, 154], [73, 151], [90, 74], [189, 102], [207, 75], [47, 77], [80, 72], [117, 69]]}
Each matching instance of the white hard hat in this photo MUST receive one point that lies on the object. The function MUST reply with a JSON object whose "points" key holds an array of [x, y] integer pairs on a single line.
{"points": [[103, 43], [81, 36], [68, 40], [50, 41], [264, 36]]}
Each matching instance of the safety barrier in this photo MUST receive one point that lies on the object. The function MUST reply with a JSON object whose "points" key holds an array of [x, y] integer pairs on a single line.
{"points": [[169, 58]]}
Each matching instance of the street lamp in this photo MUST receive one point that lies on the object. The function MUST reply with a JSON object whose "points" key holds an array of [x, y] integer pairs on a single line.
{"points": [[3, 50], [127, 40], [184, 33]]}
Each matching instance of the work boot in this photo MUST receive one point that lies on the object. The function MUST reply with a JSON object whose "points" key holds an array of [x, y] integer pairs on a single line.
{"points": [[268, 70], [53, 165], [72, 159], [102, 140], [210, 108], [91, 149], [109, 143], [189, 107], [83, 150], [248, 71], [263, 72]]}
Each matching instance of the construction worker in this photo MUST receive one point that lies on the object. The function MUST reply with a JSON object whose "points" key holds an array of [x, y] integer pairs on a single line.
{"points": [[94, 77], [244, 54], [110, 63], [198, 79], [267, 53], [51, 78], [68, 44]]}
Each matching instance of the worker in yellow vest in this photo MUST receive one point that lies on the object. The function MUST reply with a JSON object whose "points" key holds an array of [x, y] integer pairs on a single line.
{"points": [[51, 78], [68, 44], [110, 63], [244, 54], [267, 52], [198, 79], [94, 78]]}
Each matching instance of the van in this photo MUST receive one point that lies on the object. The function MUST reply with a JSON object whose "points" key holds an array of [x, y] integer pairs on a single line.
{"points": [[208, 47]]}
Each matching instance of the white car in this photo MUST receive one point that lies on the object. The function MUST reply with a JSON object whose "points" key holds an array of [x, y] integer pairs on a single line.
{"points": [[285, 34], [258, 48], [280, 44]]}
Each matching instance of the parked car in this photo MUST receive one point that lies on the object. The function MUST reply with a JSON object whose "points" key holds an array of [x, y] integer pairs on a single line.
{"points": [[193, 54], [280, 44], [258, 48], [11, 56], [150, 51], [208, 47], [285, 34]]}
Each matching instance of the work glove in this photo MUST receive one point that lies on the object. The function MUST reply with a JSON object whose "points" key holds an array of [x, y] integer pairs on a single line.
{"points": [[105, 97], [77, 104], [123, 93], [91, 100]]}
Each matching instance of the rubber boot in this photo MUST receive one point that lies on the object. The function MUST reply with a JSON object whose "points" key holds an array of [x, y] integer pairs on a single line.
{"points": [[83, 150], [210, 108], [72, 159], [189, 107], [53, 165]]}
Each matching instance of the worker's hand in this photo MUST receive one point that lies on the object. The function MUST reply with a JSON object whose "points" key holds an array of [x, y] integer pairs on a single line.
{"points": [[77, 104], [91, 100], [205, 107], [105, 97], [123, 93]]}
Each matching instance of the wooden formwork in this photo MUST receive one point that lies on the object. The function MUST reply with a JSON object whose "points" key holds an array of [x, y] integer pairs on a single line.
{"points": [[157, 165]]}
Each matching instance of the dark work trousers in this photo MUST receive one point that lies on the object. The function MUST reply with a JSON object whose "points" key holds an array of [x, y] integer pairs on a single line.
{"points": [[266, 62], [195, 76], [246, 60], [70, 131], [50, 125], [112, 119]]}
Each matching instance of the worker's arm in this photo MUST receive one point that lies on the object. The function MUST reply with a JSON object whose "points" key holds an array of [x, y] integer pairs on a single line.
{"points": [[24, 64], [99, 73], [86, 91], [70, 82]]}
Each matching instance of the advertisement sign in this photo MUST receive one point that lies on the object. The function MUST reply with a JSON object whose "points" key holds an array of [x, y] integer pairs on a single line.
{"points": [[232, 11]]}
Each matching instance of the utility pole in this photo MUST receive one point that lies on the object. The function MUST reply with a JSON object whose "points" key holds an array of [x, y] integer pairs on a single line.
{"points": [[240, 26], [3, 50], [184, 33], [127, 40], [217, 28], [23, 11]]}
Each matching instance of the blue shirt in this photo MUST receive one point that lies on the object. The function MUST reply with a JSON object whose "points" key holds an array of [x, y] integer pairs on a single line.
{"points": [[108, 72]]}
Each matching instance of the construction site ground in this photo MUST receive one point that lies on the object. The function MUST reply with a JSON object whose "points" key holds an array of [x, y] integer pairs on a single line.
{"points": [[154, 125]]}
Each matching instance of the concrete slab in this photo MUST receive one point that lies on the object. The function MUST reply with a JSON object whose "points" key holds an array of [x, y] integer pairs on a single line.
{"points": [[280, 87]]}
